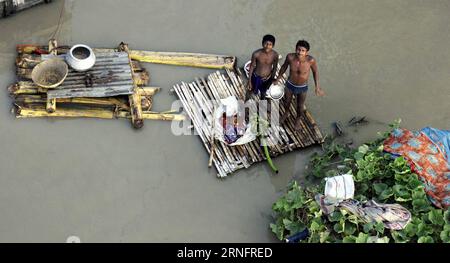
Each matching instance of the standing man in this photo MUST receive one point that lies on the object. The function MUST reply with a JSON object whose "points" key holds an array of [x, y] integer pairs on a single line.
{"points": [[263, 67], [300, 64]]}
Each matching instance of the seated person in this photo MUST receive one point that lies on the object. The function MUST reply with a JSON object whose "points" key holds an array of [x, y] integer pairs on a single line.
{"points": [[234, 129]]}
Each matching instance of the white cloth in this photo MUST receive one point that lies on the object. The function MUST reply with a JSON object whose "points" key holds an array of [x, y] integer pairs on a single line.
{"points": [[340, 187], [231, 107]]}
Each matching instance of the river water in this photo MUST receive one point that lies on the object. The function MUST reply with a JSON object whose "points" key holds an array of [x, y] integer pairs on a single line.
{"points": [[102, 181]]}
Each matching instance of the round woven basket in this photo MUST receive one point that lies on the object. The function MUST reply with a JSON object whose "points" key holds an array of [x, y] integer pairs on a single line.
{"points": [[50, 73]]}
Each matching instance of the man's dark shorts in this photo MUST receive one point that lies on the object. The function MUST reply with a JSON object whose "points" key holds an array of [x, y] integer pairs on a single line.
{"points": [[260, 85], [296, 89]]}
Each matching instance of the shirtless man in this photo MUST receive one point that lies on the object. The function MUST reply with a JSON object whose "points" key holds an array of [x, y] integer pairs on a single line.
{"points": [[300, 64], [263, 67]]}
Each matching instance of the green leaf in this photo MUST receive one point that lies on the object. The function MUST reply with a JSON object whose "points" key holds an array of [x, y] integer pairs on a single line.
{"points": [[349, 239], [335, 216], [399, 237], [425, 239], [383, 240], [293, 227], [362, 188], [379, 188], [445, 236], [436, 218], [353, 219], [338, 228], [418, 194], [400, 162], [368, 227], [314, 227], [386, 194], [447, 216], [421, 205], [414, 183], [324, 236], [423, 229], [363, 149], [401, 193], [362, 238], [411, 229], [376, 239], [358, 156], [349, 229], [360, 176], [278, 230], [379, 227]]}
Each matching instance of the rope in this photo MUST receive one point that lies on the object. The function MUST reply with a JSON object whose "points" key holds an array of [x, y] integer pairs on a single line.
{"points": [[59, 21]]}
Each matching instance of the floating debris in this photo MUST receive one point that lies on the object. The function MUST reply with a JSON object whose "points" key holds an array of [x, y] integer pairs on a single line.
{"points": [[357, 120]]}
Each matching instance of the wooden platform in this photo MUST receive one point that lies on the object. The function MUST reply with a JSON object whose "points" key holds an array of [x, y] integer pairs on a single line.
{"points": [[201, 97]]}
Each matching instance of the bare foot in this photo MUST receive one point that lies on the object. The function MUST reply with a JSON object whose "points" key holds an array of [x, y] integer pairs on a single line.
{"points": [[298, 124]]}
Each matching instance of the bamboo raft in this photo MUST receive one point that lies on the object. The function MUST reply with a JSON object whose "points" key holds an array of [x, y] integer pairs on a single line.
{"points": [[119, 88], [201, 97]]}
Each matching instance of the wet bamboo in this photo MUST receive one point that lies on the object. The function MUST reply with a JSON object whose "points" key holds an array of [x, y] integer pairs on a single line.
{"points": [[181, 58], [230, 153], [221, 166], [22, 88], [66, 113], [135, 99], [238, 153], [248, 146], [219, 153], [154, 116], [210, 113], [187, 107], [41, 99], [184, 59], [309, 131], [205, 129], [51, 103], [307, 137]]}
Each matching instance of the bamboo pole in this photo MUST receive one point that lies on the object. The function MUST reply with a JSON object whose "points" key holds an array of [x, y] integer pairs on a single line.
{"points": [[137, 118], [19, 88], [66, 113], [184, 59], [41, 99], [221, 166], [154, 116], [181, 59], [25, 112], [228, 159], [51, 103]]}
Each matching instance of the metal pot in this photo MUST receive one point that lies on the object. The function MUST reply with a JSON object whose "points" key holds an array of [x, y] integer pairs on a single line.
{"points": [[80, 57], [275, 92]]}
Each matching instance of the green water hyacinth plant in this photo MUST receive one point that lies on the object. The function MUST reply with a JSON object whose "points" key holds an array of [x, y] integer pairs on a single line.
{"points": [[377, 176]]}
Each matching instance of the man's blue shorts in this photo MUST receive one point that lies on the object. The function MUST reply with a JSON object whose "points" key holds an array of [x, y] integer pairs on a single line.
{"points": [[296, 89]]}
